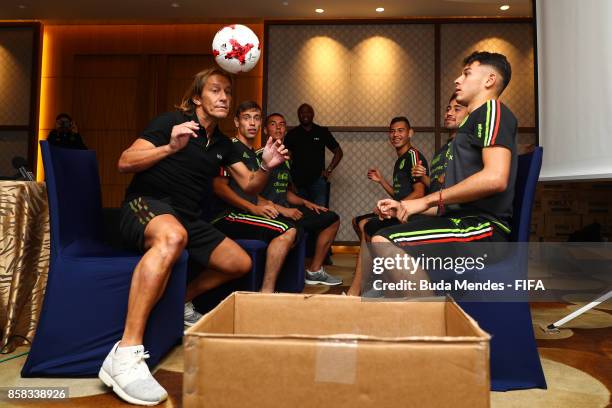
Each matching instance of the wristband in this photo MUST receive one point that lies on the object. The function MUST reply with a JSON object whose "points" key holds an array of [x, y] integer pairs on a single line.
{"points": [[440, 204], [263, 167]]}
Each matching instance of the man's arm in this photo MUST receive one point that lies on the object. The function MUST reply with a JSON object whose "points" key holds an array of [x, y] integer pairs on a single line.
{"points": [[377, 177], [222, 189], [418, 191], [335, 161], [294, 199], [492, 179], [252, 182], [143, 154]]}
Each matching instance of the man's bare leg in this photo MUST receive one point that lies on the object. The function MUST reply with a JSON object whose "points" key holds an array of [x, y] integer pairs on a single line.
{"points": [[165, 239], [355, 289], [384, 248], [275, 257], [228, 261], [324, 242]]}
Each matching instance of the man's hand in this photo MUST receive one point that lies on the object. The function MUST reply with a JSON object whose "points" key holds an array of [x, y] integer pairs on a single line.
{"points": [[316, 208], [73, 127], [402, 210], [274, 153], [292, 213], [375, 176], [419, 170], [326, 174], [387, 208], [265, 210], [181, 134]]}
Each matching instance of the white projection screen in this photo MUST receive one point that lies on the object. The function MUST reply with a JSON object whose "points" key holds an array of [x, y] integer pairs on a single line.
{"points": [[574, 40]]}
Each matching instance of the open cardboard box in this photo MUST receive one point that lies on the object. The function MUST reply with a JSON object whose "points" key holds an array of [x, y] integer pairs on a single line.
{"points": [[285, 350]]}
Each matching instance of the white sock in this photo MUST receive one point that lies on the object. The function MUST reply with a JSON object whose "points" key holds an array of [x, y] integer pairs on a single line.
{"points": [[126, 350]]}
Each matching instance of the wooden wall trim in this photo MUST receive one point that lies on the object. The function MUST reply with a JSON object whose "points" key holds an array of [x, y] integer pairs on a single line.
{"points": [[398, 20], [417, 129], [8, 128]]}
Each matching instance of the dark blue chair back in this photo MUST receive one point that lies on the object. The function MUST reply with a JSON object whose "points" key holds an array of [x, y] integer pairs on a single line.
{"points": [[527, 175], [72, 178], [88, 285], [515, 363]]}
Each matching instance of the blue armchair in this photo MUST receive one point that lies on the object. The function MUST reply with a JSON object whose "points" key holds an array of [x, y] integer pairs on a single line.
{"points": [[86, 297]]}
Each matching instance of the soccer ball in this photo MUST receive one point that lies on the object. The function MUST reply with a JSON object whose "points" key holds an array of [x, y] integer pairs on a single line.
{"points": [[236, 48]]}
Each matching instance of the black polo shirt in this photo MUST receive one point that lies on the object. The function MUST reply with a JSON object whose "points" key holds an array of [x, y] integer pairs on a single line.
{"points": [[278, 183], [182, 177], [438, 167], [249, 157], [308, 152], [402, 172], [491, 124]]}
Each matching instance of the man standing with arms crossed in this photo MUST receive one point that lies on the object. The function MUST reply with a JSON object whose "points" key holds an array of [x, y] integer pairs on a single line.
{"points": [[173, 158]]}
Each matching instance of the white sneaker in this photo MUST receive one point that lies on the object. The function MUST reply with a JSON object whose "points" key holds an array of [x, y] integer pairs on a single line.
{"points": [[321, 277], [124, 369], [190, 315]]}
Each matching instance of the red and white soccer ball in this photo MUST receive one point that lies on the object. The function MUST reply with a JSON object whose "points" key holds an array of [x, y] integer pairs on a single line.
{"points": [[236, 48]]}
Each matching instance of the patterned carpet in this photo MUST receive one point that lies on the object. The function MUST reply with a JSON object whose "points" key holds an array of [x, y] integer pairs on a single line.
{"points": [[577, 362]]}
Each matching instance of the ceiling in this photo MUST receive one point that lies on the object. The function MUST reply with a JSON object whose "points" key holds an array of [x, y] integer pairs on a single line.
{"points": [[66, 11]]}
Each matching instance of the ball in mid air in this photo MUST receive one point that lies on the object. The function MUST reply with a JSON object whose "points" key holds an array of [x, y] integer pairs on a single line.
{"points": [[236, 48]]}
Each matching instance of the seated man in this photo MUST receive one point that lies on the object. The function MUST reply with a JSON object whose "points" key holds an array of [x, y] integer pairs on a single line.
{"points": [[173, 159], [250, 217], [454, 116], [476, 203], [313, 218], [404, 187]]}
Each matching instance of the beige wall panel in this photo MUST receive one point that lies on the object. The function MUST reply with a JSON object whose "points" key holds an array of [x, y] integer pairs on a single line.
{"points": [[513, 40], [353, 75]]}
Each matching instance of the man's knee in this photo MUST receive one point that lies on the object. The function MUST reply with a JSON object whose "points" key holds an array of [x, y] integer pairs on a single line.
{"points": [[171, 241], [379, 239], [241, 264]]}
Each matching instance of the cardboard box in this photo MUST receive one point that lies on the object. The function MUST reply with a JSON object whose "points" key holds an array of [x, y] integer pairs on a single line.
{"points": [[284, 350]]}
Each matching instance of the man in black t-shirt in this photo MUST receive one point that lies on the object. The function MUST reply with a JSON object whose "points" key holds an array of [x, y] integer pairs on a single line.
{"points": [[476, 203], [173, 160], [307, 143], [249, 217], [404, 187], [315, 219], [454, 116]]}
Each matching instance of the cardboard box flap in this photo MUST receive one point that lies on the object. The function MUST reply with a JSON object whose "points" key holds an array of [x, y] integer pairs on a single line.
{"points": [[246, 314], [459, 323], [321, 315]]}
